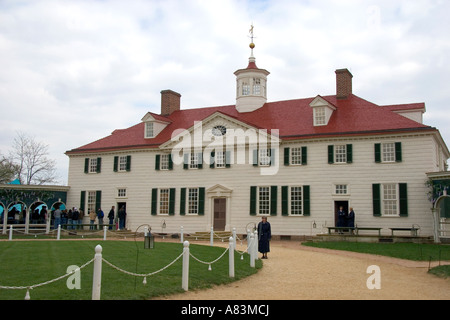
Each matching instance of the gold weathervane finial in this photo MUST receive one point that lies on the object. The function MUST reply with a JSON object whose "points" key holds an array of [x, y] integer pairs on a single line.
{"points": [[252, 45]]}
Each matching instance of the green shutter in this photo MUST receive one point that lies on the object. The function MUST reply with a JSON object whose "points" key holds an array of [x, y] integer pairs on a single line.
{"points": [[227, 159], [255, 157], [349, 153], [212, 159], [186, 161], [285, 200], [170, 162], [116, 164], [306, 201], [286, 156], [154, 211], [304, 155], [157, 161], [99, 165], [378, 152], [86, 165], [98, 200], [253, 198], [376, 198], [273, 200], [398, 152], [172, 193], [273, 155], [128, 163], [403, 191], [82, 200], [330, 154], [201, 201], [183, 201], [200, 160]]}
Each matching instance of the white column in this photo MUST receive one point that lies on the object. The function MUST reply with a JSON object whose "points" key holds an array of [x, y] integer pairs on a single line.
{"points": [[97, 278]]}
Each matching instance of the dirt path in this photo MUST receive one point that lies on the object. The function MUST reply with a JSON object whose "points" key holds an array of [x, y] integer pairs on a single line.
{"points": [[299, 272]]}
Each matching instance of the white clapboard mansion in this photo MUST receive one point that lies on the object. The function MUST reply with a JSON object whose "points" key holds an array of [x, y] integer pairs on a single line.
{"points": [[295, 161]]}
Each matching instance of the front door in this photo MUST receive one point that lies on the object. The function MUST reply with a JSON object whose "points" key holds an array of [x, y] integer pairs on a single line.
{"points": [[220, 208], [337, 205]]}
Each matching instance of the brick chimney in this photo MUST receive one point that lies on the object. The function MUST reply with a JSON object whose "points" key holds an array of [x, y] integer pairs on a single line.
{"points": [[170, 102], [343, 83]]}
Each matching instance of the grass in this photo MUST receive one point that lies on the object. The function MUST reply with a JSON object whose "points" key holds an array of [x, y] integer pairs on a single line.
{"points": [[409, 251], [25, 263]]}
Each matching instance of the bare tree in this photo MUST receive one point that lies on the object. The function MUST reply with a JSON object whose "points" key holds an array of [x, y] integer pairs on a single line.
{"points": [[30, 157], [8, 170]]}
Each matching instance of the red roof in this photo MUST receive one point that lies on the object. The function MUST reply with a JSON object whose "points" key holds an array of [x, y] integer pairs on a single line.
{"points": [[293, 118]]}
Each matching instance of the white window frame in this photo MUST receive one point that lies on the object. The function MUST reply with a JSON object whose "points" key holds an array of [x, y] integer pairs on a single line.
{"points": [[264, 157], [340, 153], [388, 152], [341, 189], [295, 156], [220, 159], [193, 160], [390, 206], [264, 203], [122, 165], [192, 200], [320, 116], [299, 201], [245, 88], [91, 199], [256, 86], [92, 165], [164, 162], [121, 192], [149, 130], [163, 201]]}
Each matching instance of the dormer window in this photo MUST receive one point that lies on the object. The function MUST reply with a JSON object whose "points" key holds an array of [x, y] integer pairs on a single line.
{"points": [[319, 116], [154, 124], [149, 132], [322, 111]]}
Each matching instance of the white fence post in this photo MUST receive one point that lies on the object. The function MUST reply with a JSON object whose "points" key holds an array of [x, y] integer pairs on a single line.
{"points": [[255, 248], [10, 232], [211, 237], [234, 237], [105, 229], [97, 278], [231, 257], [58, 234], [251, 251], [181, 234], [185, 273]]}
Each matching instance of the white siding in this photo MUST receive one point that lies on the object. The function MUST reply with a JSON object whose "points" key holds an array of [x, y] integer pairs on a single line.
{"points": [[418, 153]]}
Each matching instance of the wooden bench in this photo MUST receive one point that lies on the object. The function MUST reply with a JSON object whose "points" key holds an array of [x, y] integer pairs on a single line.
{"points": [[412, 230], [350, 229], [341, 229]]}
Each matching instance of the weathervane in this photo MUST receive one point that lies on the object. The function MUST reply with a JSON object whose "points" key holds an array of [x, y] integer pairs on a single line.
{"points": [[252, 45]]}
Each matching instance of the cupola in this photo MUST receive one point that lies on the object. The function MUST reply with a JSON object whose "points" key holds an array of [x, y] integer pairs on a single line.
{"points": [[251, 84]]}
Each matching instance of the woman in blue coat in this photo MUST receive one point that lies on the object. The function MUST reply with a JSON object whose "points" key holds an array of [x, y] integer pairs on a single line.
{"points": [[264, 236]]}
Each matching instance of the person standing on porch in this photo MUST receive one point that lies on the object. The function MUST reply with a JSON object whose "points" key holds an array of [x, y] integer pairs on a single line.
{"points": [[264, 236], [351, 218]]}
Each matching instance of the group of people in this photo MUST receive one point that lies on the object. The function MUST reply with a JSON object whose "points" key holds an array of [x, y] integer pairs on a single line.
{"points": [[74, 217], [345, 219], [120, 219]]}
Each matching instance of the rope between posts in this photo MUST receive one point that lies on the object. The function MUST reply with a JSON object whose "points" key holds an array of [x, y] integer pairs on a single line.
{"points": [[49, 281], [141, 274], [214, 261]]}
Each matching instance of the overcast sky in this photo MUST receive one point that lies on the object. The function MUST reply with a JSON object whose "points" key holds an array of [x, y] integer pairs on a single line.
{"points": [[73, 71]]}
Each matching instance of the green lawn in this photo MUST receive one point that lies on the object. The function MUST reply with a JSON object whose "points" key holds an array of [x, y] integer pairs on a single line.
{"points": [[409, 251], [24, 263]]}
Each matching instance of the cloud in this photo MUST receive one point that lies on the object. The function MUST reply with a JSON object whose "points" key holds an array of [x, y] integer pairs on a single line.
{"points": [[73, 71]]}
